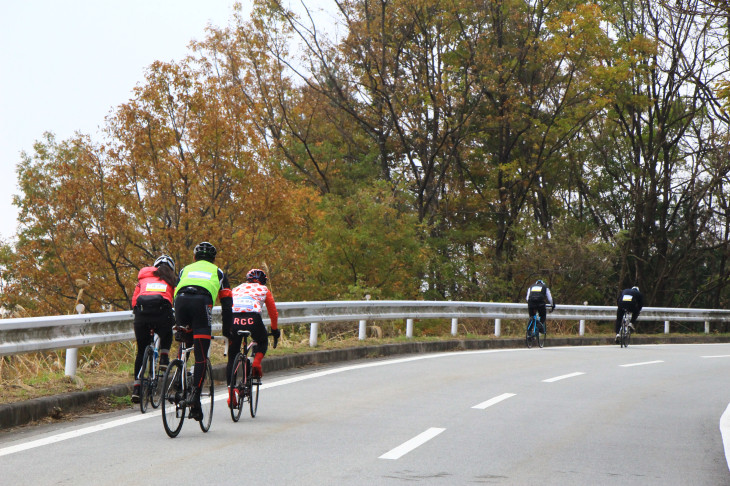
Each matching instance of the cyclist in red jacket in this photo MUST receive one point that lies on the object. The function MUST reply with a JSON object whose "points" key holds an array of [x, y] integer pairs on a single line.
{"points": [[248, 301], [152, 307]]}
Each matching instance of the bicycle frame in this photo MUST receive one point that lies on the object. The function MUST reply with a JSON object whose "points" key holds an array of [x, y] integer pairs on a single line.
{"points": [[178, 390], [625, 330], [155, 356], [533, 332]]}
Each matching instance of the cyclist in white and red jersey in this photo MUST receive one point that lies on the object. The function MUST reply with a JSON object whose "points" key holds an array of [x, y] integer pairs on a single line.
{"points": [[249, 299]]}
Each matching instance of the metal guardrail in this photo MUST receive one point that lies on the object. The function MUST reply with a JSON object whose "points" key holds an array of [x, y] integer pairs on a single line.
{"points": [[74, 331]]}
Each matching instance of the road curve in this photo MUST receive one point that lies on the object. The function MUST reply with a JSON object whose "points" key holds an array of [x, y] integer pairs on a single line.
{"points": [[582, 415]]}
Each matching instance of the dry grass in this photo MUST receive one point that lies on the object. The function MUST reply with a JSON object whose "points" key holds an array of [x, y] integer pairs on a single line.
{"points": [[27, 376]]}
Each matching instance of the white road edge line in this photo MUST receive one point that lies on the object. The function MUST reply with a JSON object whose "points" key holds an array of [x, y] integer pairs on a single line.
{"points": [[641, 364], [72, 434], [725, 432], [718, 356], [409, 445], [562, 377], [493, 401]]}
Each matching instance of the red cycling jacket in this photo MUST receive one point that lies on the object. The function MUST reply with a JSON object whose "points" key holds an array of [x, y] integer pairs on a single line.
{"points": [[148, 284]]}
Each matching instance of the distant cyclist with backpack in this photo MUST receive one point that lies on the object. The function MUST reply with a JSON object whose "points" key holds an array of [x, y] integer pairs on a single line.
{"points": [[201, 283], [152, 307], [538, 296], [629, 300]]}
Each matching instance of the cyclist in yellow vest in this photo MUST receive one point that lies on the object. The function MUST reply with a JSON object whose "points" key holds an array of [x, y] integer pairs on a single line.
{"points": [[201, 283]]}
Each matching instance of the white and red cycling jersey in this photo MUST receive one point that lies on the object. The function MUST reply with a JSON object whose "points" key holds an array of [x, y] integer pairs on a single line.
{"points": [[251, 297]]}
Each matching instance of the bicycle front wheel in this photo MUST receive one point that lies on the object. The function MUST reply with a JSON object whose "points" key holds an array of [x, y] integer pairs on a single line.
{"points": [[145, 372], [206, 397], [235, 391], [173, 407], [528, 335]]}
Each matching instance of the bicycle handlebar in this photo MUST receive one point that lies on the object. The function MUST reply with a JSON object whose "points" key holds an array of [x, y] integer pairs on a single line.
{"points": [[246, 333]]}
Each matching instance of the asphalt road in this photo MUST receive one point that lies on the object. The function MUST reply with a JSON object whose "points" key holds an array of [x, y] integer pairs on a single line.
{"points": [[570, 416]]}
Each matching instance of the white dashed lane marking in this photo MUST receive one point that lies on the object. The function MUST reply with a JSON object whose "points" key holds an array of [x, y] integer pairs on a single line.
{"points": [[562, 377], [493, 401], [641, 364], [409, 445]]}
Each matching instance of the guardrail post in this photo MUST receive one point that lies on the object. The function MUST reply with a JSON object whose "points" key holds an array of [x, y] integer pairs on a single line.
{"points": [[454, 326], [666, 327], [72, 358], [313, 329], [72, 354], [497, 327], [362, 331], [409, 328], [707, 327], [582, 325]]}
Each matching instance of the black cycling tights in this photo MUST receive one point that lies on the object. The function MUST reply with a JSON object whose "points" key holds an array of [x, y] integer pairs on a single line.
{"points": [[201, 341]]}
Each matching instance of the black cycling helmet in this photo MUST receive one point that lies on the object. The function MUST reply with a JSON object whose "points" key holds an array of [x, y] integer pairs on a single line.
{"points": [[165, 260], [539, 282], [205, 251], [256, 274], [635, 288]]}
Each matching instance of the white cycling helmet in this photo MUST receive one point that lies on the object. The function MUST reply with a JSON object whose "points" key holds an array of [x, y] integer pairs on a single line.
{"points": [[166, 260]]}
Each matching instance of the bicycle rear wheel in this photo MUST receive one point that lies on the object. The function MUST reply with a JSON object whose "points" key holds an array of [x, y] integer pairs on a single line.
{"points": [[173, 411], [206, 395], [529, 334], [156, 385], [541, 338], [253, 398], [625, 333], [144, 379], [625, 336], [236, 389]]}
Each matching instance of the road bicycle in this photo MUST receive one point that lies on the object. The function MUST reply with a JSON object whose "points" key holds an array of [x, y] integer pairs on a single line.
{"points": [[177, 384], [244, 386], [624, 334], [533, 334], [150, 390]]}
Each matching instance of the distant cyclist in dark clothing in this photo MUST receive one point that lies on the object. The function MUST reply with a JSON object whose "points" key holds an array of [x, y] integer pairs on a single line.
{"points": [[538, 295], [152, 307], [629, 300], [201, 283]]}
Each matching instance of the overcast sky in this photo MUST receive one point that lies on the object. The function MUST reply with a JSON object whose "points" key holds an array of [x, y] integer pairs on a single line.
{"points": [[65, 64]]}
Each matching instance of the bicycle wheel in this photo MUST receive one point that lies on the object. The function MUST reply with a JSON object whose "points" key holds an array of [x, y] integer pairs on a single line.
{"points": [[624, 333], [173, 411], [144, 379], [156, 385], [529, 334], [206, 397], [236, 388], [253, 397], [541, 338]]}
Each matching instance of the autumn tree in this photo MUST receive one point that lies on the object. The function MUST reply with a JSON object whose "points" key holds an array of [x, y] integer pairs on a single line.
{"points": [[654, 160]]}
